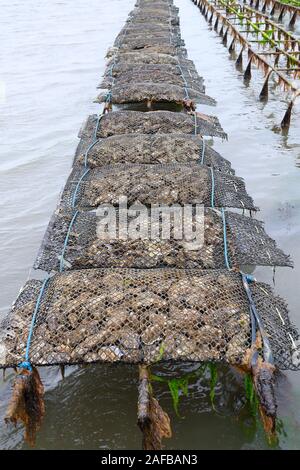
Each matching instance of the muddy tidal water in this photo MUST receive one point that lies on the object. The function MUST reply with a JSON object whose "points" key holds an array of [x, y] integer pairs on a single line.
{"points": [[52, 58]]}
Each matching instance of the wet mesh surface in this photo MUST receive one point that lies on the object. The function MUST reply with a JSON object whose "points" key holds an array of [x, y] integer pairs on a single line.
{"points": [[154, 184], [136, 92], [152, 122], [160, 37], [143, 18], [148, 57], [156, 47], [88, 248], [173, 75], [171, 44], [142, 316], [149, 149], [170, 36], [181, 69], [149, 314]]}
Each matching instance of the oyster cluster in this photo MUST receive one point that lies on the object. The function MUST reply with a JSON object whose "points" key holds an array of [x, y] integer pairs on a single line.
{"points": [[100, 315], [153, 149], [147, 184], [135, 92], [154, 122], [155, 184], [164, 73], [152, 36]]}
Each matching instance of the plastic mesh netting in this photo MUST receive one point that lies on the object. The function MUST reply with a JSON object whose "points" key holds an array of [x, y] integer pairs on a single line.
{"points": [[164, 73], [152, 122], [154, 47], [144, 299], [149, 149], [154, 184], [135, 92], [143, 316], [135, 57], [169, 43], [152, 85], [137, 248], [149, 247], [148, 38], [182, 68]]}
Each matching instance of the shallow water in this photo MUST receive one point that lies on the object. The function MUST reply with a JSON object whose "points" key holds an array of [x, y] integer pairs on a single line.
{"points": [[53, 58]]}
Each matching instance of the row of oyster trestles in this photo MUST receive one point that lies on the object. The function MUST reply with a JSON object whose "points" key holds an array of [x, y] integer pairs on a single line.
{"points": [[148, 63], [151, 157], [94, 310], [154, 157]]}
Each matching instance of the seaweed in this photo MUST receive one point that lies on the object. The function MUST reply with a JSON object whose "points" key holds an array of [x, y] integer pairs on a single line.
{"points": [[27, 403]]}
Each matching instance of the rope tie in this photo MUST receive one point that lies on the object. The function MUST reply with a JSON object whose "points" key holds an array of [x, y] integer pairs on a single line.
{"points": [[212, 202], [87, 152], [187, 96], [225, 244], [203, 141], [195, 123], [77, 187], [203, 152], [95, 141], [108, 97], [62, 261], [226, 259], [100, 116], [268, 356], [26, 364]]}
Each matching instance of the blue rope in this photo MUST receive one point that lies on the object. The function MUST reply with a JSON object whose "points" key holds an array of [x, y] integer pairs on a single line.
{"points": [[183, 77], [95, 141], [268, 356], [77, 187], [225, 240], [203, 152], [97, 125], [26, 364], [61, 264], [212, 188], [108, 97], [112, 67], [87, 152], [195, 122]]}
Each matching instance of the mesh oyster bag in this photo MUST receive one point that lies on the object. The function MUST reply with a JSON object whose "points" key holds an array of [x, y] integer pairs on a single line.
{"points": [[162, 12], [143, 57], [172, 42], [83, 242], [161, 6], [185, 68], [157, 12], [149, 28], [150, 149], [155, 48], [167, 12], [152, 122], [127, 34], [137, 92], [143, 18], [140, 3], [174, 75], [154, 184], [142, 316]]}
